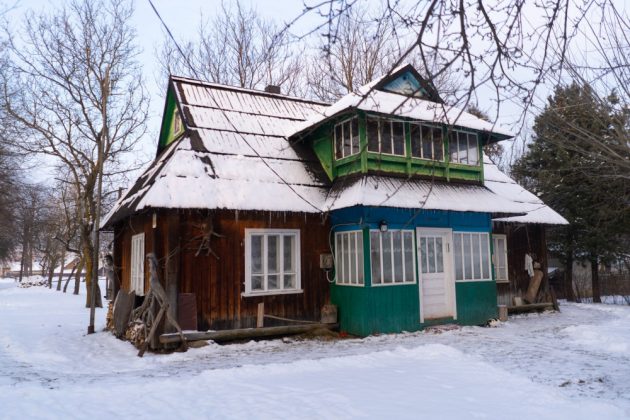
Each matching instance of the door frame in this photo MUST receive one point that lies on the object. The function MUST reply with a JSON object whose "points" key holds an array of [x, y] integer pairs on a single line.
{"points": [[448, 268]]}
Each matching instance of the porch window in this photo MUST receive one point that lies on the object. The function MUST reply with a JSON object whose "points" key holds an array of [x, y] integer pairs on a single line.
{"points": [[471, 253], [349, 258], [463, 147], [137, 264], [272, 261], [347, 138], [392, 257], [426, 142], [386, 136], [499, 257]]}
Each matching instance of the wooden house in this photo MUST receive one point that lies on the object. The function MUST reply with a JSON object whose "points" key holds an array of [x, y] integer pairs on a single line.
{"points": [[378, 204]]}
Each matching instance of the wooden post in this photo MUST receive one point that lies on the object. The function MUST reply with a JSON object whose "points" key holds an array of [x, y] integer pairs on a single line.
{"points": [[260, 319], [171, 270]]}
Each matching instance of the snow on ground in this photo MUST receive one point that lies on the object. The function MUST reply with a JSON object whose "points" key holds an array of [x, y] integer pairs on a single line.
{"points": [[573, 364]]}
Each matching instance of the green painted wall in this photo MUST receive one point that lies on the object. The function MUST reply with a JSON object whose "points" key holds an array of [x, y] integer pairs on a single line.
{"points": [[167, 132], [476, 302]]}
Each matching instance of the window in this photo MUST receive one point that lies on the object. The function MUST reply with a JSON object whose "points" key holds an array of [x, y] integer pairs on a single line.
{"points": [[137, 264], [349, 257], [463, 148], [392, 255], [472, 256], [347, 138], [499, 258], [272, 261], [426, 142], [386, 136]]}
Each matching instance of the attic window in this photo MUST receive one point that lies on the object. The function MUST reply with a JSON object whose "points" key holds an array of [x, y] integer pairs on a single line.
{"points": [[386, 136], [177, 123], [463, 147], [426, 142], [347, 138]]}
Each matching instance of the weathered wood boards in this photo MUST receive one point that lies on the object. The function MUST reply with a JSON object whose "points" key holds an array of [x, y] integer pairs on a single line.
{"points": [[123, 305]]}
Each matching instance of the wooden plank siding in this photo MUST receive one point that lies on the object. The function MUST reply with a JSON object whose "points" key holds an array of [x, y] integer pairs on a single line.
{"points": [[218, 284], [521, 239]]}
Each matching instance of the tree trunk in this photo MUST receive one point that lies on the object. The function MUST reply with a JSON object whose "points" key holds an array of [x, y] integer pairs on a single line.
{"points": [[89, 267], [595, 279], [63, 265], [77, 278], [65, 287], [568, 279]]}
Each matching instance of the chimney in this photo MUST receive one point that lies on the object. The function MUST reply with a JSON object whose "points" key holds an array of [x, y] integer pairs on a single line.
{"points": [[272, 89]]}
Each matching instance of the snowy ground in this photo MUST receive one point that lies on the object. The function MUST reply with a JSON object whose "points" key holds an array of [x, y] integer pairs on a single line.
{"points": [[574, 364]]}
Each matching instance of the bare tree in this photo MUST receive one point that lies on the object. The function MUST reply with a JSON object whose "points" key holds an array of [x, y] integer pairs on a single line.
{"points": [[239, 48], [74, 92]]}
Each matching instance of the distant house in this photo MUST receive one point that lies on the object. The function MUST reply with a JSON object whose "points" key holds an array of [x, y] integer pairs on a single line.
{"points": [[250, 192]]}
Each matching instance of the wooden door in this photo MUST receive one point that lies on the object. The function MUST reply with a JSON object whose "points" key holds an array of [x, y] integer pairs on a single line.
{"points": [[437, 286]]}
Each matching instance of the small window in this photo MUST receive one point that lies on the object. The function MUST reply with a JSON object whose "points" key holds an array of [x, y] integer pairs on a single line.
{"points": [[272, 261], [471, 253], [347, 138], [426, 142], [137, 264], [349, 258], [392, 257], [499, 258], [463, 148], [386, 136]]}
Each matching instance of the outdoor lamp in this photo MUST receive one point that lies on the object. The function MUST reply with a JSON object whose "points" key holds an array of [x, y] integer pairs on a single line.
{"points": [[382, 226]]}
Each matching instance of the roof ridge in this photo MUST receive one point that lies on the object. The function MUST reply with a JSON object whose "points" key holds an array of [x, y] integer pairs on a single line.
{"points": [[245, 90]]}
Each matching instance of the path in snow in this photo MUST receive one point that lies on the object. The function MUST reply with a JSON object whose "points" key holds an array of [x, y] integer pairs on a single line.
{"points": [[45, 355]]}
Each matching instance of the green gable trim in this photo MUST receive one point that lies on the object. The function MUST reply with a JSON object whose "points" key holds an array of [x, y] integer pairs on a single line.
{"points": [[168, 132]]}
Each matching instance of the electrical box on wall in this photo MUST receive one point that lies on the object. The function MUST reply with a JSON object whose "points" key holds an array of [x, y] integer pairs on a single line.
{"points": [[326, 261]]}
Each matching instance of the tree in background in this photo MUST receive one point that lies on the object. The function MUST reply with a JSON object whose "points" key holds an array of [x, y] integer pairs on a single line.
{"points": [[237, 47], [569, 173], [73, 90]]}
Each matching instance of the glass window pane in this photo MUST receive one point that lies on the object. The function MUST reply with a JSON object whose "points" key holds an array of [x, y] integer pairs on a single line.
{"points": [[473, 152], [398, 133], [289, 244], [457, 252], [338, 142], [346, 265], [423, 254], [476, 256], [272, 282], [289, 281], [354, 129], [273, 243], [352, 255], [372, 135], [387, 256], [452, 146], [427, 142], [416, 140], [338, 257], [398, 256], [431, 254], [439, 256], [438, 144], [485, 257], [408, 245], [385, 129], [463, 148], [375, 256], [257, 282], [256, 252], [347, 146], [467, 257], [360, 252]]}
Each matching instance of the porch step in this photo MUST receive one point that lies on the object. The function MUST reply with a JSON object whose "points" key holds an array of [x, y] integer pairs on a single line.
{"points": [[439, 329]]}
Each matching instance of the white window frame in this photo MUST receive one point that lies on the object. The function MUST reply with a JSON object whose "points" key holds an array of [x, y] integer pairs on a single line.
{"points": [[381, 281], [455, 133], [248, 263], [420, 126], [379, 121], [136, 278], [481, 235], [501, 275], [343, 124], [344, 258]]}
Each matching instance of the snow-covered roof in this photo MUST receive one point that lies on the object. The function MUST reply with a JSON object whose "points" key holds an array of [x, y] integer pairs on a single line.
{"points": [[536, 211], [236, 154], [369, 99]]}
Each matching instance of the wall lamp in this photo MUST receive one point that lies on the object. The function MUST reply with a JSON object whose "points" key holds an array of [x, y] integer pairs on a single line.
{"points": [[382, 226]]}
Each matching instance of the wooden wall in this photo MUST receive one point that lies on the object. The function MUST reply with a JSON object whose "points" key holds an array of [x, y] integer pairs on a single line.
{"points": [[218, 284], [521, 239]]}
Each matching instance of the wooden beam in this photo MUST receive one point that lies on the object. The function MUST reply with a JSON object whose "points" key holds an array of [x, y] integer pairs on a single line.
{"points": [[260, 317], [530, 307], [245, 333]]}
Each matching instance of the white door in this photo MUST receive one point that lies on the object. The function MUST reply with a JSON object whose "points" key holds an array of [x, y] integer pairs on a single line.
{"points": [[437, 286]]}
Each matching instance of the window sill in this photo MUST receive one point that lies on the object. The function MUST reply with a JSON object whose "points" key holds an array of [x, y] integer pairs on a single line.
{"points": [[349, 284], [408, 283], [273, 293], [503, 281]]}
